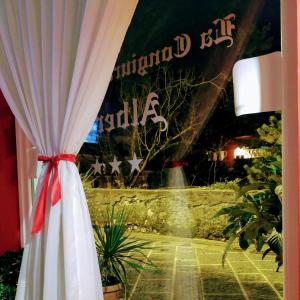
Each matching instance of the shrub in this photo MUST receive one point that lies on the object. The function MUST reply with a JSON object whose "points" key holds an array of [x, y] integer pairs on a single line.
{"points": [[10, 264], [257, 217]]}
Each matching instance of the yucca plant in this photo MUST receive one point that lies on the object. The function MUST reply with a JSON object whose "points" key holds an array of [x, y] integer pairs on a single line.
{"points": [[117, 250]]}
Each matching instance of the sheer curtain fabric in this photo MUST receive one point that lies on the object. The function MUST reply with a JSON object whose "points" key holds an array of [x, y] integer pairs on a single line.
{"points": [[56, 61]]}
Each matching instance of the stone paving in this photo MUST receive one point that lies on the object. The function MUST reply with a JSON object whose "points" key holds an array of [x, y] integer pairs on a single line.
{"points": [[190, 269]]}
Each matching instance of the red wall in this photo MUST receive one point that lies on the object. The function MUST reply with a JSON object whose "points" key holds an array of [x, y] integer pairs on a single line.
{"points": [[9, 208]]}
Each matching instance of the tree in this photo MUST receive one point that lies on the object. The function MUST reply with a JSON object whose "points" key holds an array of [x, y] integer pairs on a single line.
{"points": [[268, 170], [179, 104]]}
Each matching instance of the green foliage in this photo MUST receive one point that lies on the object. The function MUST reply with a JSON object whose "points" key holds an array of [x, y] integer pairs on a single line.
{"points": [[257, 214], [7, 292], [267, 170], [87, 179], [275, 245], [257, 217], [226, 185], [117, 250], [10, 264]]}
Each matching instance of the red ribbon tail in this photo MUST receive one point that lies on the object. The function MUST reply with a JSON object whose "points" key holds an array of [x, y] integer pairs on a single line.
{"points": [[56, 189], [40, 210]]}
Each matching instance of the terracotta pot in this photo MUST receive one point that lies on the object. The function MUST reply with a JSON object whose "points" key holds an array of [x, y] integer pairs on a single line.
{"points": [[112, 292]]}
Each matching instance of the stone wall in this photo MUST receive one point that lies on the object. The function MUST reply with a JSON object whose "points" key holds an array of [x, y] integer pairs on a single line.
{"points": [[181, 212]]}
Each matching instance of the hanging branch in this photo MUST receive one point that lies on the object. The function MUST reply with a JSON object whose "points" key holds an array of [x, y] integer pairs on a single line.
{"points": [[175, 96]]}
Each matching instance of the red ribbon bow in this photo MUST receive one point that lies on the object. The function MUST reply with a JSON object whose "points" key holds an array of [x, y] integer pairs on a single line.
{"points": [[40, 211]]}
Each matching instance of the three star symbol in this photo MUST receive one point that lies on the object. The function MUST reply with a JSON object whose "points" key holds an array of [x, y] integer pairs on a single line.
{"points": [[115, 165], [97, 167], [135, 163]]}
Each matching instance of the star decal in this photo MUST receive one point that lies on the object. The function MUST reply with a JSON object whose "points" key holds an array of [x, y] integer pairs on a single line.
{"points": [[115, 165], [135, 163], [97, 166]]}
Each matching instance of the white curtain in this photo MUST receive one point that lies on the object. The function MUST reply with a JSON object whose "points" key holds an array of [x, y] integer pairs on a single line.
{"points": [[56, 61]]}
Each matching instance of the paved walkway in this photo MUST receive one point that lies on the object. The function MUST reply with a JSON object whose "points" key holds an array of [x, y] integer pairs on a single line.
{"points": [[190, 269]]}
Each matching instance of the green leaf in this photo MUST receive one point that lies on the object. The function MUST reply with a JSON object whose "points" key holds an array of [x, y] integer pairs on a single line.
{"points": [[244, 244], [231, 228], [266, 252], [275, 242], [227, 248], [259, 243]]}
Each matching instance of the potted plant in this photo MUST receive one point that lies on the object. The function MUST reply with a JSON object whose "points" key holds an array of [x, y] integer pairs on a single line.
{"points": [[117, 251]]}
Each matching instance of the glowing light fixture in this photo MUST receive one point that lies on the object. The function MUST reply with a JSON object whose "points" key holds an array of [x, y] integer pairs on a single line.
{"points": [[242, 153]]}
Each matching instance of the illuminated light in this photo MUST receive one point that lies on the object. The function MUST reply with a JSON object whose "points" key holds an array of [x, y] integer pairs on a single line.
{"points": [[242, 153]]}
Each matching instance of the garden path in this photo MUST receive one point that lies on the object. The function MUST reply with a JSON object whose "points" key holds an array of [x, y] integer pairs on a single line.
{"points": [[190, 269]]}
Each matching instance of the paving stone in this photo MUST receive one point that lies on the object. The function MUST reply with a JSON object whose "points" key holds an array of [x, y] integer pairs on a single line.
{"points": [[187, 255], [273, 276], [140, 256], [219, 285], [208, 259], [258, 256], [198, 266], [281, 293], [129, 288], [167, 251], [187, 281], [151, 296], [187, 289], [185, 249], [163, 264], [260, 291], [237, 256], [243, 267], [162, 257], [206, 250], [265, 264], [132, 276], [186, 262], [225, 297], [251, 277], [164, 272], [187, 277], [227, 276], [164, 248], [278, 286], [190, 269], [218, 268], [158, 285]]}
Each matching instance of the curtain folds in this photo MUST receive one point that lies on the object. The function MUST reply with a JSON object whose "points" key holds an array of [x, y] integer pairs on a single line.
{"points": [[56, 61]]}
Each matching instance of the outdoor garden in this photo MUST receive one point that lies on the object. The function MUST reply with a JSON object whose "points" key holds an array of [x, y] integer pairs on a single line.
{"points": [[219, 241], [185, 198]]}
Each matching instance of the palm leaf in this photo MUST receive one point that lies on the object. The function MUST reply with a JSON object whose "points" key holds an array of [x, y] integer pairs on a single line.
{"points": [[227, 248]]}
